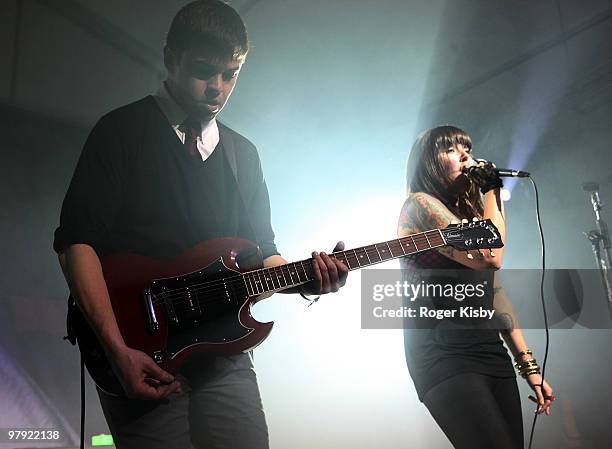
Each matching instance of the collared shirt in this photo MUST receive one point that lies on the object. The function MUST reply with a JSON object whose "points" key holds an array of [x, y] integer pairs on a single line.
{"points": [[207, 140]]}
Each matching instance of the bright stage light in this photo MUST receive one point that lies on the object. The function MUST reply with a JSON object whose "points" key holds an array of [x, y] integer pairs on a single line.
{"points": [[505, 195], [338, 318]]}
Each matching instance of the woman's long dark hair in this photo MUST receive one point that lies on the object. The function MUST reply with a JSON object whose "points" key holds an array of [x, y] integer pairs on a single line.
{"points": [[425, 173]]}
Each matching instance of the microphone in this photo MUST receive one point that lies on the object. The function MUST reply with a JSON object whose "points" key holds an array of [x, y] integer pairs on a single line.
{"points": [[478, 164]]}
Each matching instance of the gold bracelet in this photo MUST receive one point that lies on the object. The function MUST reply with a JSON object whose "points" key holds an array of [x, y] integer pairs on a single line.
{"points": [[525, 363], [525, 375], [529, 368], [522, 353]]}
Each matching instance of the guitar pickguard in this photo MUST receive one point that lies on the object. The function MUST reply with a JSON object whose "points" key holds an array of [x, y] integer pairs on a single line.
{"points": [[201, 307]]}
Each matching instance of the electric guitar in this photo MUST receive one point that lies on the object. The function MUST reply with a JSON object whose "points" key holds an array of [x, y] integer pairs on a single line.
{"points": [[200, 302]]}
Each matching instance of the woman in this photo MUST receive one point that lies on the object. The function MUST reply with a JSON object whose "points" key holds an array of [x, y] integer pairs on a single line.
{"points": [[463, 376]]}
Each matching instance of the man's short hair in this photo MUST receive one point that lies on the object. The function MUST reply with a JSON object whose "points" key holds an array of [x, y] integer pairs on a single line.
{"points": [[211, 26]]}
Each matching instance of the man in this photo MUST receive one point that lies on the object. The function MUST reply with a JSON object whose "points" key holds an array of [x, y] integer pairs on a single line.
{"points": [[155, 178]]}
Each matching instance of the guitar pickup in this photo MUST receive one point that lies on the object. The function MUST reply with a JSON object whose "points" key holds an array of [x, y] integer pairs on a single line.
{"points": [[169, 305], [193, 301]]}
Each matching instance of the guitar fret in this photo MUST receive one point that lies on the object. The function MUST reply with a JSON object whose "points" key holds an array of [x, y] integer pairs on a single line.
{"points": [[340, 257], [426, 238], [259, 282], [288, 271], [297, 272], [370, 252], [281, 277], [383, 252], [356, 258], [401, 246], [406, 246], [271, 278], [436, 238], [395, 252], [389, 248], [416, 239], [291, 273], [378, 252], [251, 291], [352, 266], [360, 259], [347, 261], [414, 244], [304, 271], [264, 282]]}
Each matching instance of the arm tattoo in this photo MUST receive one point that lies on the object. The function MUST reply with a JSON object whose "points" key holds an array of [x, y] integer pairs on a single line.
{"points": [[505, 322], [422, 213], [432, 213]]}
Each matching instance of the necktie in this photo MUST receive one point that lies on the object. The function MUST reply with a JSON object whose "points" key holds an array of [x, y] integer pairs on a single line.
{"points": [[192, 129]]}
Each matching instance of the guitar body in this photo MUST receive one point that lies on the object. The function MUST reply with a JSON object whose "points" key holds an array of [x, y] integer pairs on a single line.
{"points": [[196, 303]]}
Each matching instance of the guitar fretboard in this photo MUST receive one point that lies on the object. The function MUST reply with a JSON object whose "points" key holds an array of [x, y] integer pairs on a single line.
{"points": [[297, 273]]}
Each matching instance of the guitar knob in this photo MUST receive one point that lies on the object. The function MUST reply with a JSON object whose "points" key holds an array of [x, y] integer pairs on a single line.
{"points": [[158, 357], [469, 255]]}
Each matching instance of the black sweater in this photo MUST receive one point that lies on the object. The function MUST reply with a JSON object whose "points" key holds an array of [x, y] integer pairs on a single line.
{"points": [[136, 188]]}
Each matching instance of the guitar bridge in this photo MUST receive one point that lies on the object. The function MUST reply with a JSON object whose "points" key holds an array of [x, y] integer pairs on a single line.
{"points": [[152, 323]]}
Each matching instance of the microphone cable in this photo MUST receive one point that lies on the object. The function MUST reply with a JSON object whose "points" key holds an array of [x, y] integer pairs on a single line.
{"points": [[541, 385]]}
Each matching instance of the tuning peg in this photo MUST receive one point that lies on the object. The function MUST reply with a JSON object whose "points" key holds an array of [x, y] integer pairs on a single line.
{"points": [[464, 220], [491, 253], [469, 255], [453, 221], [474, 219], [480, 254]]}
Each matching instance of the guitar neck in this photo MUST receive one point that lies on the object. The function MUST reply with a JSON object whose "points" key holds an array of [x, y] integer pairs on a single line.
{"points": [[293, 274]]}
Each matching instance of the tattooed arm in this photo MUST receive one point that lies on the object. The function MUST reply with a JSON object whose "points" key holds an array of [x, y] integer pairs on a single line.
{"points": [[513, 336], [506, 319], [422, 212]]}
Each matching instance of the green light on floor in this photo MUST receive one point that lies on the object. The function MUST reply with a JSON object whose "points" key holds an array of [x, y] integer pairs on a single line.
{"points": [[102, 440]]}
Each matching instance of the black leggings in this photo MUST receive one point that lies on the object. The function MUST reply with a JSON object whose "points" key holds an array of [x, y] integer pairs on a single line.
{"points": [[476, 411]]}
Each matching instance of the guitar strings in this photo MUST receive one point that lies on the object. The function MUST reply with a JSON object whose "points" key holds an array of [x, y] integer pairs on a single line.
{"points": [[178, 295], [217, 284], [178, 292]]}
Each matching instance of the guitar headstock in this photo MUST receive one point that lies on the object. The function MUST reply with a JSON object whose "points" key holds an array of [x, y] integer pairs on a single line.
{"points": [[473, 235]]}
